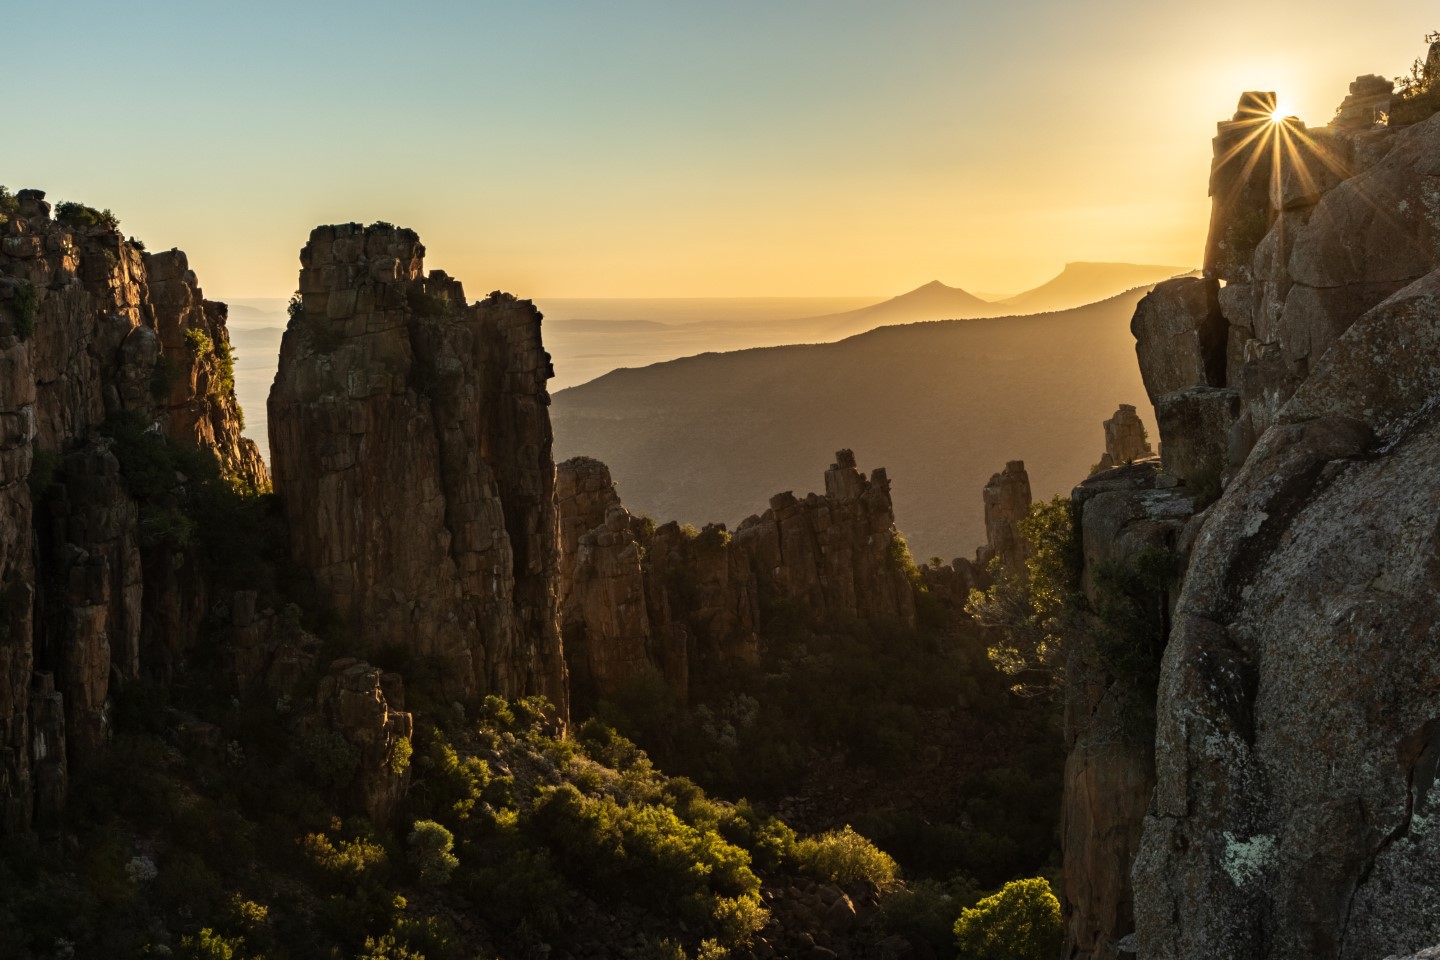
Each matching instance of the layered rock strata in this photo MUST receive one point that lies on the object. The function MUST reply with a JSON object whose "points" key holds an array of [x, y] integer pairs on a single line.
{"points": [[411, 444], [678, 601], [92, 329]]}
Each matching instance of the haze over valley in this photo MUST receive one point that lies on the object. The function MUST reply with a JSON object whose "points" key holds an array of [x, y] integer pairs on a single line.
{"points": [[712, 439]]}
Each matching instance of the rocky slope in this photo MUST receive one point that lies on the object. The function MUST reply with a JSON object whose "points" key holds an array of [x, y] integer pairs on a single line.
{"points": [[1297, 700], [410, 438], [679, 601], [105, 351]]}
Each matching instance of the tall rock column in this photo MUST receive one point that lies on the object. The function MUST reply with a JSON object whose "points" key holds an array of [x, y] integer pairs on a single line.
{"points": [[411, 442], [1007, 502]]}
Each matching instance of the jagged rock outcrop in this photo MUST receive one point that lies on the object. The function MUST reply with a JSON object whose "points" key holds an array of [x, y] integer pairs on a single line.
{"points": [[679, 601], [1125, 439], [1367, 104], [1299, 693], [1007, 502], [366, 708], [92, 331], [411, 446]]}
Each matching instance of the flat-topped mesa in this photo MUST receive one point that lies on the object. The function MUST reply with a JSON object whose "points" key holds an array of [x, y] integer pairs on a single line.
{"points": [[678, 602], [411, 443], [1125, 439]]}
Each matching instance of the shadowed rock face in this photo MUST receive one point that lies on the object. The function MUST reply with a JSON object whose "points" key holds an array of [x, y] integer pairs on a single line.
{"points": [[411, 440], [92, 327], [1299, 716], [637, 597]]}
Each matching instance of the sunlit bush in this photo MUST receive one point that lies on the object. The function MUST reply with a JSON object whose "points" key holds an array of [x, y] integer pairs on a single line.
{"points": [[1021, 922]]}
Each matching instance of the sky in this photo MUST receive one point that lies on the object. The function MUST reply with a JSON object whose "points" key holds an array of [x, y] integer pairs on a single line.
{"points": [[668, 148]]}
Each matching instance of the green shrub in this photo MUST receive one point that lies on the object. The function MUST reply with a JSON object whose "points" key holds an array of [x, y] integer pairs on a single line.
{"points": [[9, 204], [426, 304], [713, 537], [147, 461], [1021, 922], [199, 342], [431, 852], [167, 525], [648, 854], [845, 857], [1033, 615], [1417, 95], [901, 559], [209, 945], [357, 859], [925, 911], [400, 756], [330, 759], [79, 216], [25, 302]]}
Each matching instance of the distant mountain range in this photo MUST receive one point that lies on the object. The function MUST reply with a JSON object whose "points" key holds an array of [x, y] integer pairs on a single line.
{"points": [[942, 405], [1083, 282], [590, 338]]}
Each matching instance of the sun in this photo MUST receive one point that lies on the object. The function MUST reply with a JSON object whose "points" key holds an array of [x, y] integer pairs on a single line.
{"points": [[1280, 113]]}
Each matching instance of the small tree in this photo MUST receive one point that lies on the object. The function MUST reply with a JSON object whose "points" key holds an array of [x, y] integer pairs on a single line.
{"points": [[430, 851], [1032, 614], [1021, 922]]}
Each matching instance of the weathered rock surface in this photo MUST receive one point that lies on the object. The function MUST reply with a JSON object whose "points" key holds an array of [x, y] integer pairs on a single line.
{"points": [[1366, 105], [1125, 439], [412, 449], [1299, 697], [367, 708], [1125, 517], [679, 601], [1291, 821], [91, 328]]}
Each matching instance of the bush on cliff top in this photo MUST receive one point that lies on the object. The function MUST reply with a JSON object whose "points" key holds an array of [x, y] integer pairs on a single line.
{"points": [[1417, 94], [80, 217]]}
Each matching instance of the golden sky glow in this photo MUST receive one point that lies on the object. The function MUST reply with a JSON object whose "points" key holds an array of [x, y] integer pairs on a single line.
{"points": [[816, 147]]}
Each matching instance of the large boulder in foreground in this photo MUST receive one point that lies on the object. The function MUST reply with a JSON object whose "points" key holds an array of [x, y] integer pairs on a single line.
{"points": [[1299, 734]]}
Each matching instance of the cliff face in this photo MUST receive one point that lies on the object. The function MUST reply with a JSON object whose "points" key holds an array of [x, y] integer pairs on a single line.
{"points": [[93, 333], [1299, 696], [412, 450], [1133, 523], [637, 597]]}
